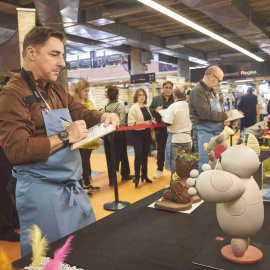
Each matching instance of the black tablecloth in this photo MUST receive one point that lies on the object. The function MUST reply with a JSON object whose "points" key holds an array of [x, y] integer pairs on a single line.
{"points": [[139, 237]]}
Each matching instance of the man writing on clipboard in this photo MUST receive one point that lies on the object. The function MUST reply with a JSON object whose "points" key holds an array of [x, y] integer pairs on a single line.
{"points": [[46, 172], [205, 112]]}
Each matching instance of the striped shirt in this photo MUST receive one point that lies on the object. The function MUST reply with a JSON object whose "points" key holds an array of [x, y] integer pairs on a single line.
{"points": [[119, 109]]}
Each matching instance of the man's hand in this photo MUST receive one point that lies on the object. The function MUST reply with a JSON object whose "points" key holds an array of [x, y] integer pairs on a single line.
{"points": [[158, 108], [113, 119], [229, 113], [77, 131]]}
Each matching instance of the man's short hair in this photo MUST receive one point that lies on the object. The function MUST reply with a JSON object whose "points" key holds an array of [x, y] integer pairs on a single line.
{"points": [[179, 94], [210, 70], [39, 35], [167, 82], [250, 90]]}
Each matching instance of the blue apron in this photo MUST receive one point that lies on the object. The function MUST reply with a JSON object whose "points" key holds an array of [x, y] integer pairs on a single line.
{"points": [[48, 193], [206, 131]]}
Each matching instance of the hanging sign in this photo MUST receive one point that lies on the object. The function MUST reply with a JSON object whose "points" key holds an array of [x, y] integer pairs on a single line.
{"points": [[237, 71], [143, 78]]}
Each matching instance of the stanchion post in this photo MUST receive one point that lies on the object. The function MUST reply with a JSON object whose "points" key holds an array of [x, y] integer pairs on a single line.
{"points": [[116, 205], [113, 164]]}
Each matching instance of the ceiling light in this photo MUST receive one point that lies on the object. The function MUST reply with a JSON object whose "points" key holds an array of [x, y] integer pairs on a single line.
{"points": [[197, 27]]}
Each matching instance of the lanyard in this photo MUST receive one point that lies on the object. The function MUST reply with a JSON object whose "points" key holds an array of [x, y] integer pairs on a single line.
{"points": [[202, 84], [42, 102]]}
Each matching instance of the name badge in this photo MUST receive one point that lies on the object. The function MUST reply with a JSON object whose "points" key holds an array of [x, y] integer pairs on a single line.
{"points": [[218, 106]]}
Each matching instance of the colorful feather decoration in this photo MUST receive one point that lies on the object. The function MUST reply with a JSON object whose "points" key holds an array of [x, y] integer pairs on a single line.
{"points": [[4, 261], [59, 255], [39, 244]]}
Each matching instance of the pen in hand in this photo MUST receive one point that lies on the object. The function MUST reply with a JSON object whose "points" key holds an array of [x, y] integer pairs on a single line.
{"points": [[65, 120]]}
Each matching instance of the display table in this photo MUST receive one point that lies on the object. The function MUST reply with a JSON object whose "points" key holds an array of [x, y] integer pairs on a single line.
{"points": [[139, 237]]}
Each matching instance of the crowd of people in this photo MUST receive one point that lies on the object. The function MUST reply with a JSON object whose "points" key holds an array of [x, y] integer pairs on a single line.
{"points": [[39, 120]]}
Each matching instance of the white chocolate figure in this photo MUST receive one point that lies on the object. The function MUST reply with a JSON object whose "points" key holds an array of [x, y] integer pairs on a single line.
{"points": [[240, 210], [214, 142]]}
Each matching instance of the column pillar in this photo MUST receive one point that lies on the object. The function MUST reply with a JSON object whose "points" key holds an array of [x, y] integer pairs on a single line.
{"points": [[153, 90], [257, 106], [93, 59], [136, 65], [104, 59], [183, 69], [26, 20]]}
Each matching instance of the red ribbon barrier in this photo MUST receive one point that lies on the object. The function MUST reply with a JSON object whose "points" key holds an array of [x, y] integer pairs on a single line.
{"points": [[140, 127]]}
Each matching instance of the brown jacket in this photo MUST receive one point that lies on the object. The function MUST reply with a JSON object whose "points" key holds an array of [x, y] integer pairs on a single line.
{"points": [[200, 108], [22, 128]]}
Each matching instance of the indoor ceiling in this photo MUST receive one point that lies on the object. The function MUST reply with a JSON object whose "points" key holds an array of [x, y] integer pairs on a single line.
{"points": [[131, 23]]}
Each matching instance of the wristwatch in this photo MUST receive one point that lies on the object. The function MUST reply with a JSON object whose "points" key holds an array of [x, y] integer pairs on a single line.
{"points": [[63, 135]]}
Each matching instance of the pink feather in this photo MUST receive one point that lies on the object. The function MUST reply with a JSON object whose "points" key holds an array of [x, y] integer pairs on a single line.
{"points": [[60, 255]]}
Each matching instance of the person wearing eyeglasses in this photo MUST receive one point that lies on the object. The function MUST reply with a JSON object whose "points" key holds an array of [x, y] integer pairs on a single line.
{"points": [[140, 115], [161, 102], [205, 111]]}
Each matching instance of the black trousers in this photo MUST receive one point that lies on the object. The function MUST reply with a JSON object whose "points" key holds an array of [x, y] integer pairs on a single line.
{"points": [[8, 214], [121, 153], [141, 143], [120, 143], [86, 165], [248, 121], [161, 138]]}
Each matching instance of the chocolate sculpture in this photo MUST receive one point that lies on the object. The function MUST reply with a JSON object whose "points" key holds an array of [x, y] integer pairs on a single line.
{"points": [[185, 161], [240, 210], [176, 198]]}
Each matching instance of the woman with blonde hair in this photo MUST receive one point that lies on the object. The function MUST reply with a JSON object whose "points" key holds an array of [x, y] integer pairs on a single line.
{"points": [[81, 94], [139, 114]]}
